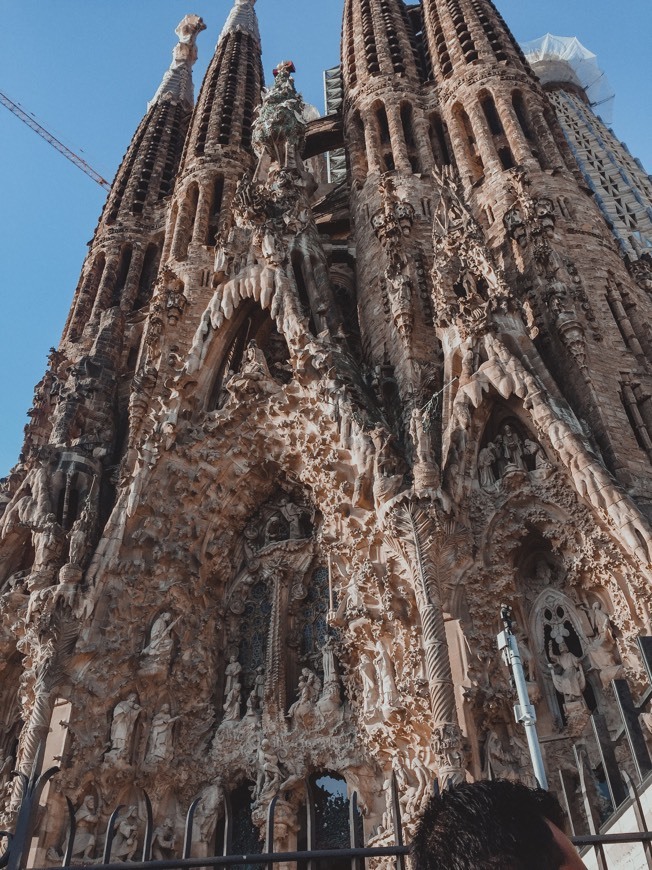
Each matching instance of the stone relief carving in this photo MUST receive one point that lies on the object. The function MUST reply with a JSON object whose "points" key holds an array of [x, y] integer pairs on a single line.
{"points": [[125, 716], [392, 224], [382, 689], [157, 655], [125, 844], [160, 741], [510, 453], [87, 819], [532, 225], [164, 841], [468, 285]]}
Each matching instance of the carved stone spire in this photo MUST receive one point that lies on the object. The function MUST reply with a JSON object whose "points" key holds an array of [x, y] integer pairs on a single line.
{"points": [[242, 19], [177, 81], [231, 88]]}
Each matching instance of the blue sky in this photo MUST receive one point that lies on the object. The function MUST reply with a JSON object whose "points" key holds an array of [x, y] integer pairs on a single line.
{"points": [[86, 69]]}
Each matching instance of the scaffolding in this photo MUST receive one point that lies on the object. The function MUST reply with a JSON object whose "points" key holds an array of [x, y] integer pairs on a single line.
{"points": [[565, 59]]}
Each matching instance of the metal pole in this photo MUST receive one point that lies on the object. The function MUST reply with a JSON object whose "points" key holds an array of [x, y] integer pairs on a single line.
{"points": [[524, 711]]}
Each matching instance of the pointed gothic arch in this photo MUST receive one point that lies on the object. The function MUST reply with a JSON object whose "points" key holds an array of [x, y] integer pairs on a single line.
{"points": [[251, 323]]}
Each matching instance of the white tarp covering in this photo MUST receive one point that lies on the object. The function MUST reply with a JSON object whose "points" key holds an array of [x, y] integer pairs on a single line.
{"points": [[582, 66]]}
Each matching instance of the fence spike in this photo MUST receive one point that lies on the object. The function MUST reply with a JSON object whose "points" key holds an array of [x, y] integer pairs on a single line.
{"points": [[228, 824], [269, 834], [67, 858], [356, 863], [311, 823], [4, 858], [187, 837], [149, 829], [396, 813], [31, 793], [110, 834]]}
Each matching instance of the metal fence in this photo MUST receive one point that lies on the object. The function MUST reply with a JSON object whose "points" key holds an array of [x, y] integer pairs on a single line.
{"points": [[356, 855], [609, 790]]}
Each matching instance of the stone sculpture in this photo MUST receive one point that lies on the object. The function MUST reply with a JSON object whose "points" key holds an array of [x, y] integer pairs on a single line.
{"points": [[158, 652], [569, 679], [125, 716], [164, 841], [232, 674], [125, 844], [87, 819], [232, 706], [334, 425], [208, 811], [159, 745]]}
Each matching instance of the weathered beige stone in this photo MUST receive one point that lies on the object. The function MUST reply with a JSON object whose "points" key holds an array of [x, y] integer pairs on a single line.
{"points": [[277, 485]]}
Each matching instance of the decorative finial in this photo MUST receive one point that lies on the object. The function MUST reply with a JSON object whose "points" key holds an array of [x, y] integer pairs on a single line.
{"points": [[177, 81], [285, 66]]}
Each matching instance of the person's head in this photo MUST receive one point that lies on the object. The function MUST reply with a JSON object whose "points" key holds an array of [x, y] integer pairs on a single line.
{"points": [[491, 825]]}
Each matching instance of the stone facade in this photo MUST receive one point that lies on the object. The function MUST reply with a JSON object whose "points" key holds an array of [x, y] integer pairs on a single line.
{"points": [[302, 439]]}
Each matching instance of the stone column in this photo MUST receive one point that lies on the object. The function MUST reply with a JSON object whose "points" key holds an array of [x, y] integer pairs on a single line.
{"points": [[372, 141], [202, 216], [105, 290], [397, 138], [544, 133], [460, 148], [483, 138], [518, 142], [183, 229], [133, 278], [424, 147], [424, 550]]}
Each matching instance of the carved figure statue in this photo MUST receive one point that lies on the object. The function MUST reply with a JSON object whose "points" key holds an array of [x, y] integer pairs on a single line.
{"points": [[125, 843], [330, 699], [279, 130], [159, 746], [367, 672], [87, 819], [570, 681], [232, 673], [209, 810], [232, 705], [486, 458], [164, 841], [253, 706], [293, 514], [48, 542], [80, 535], [259, 685], [125, 715], [447, 746], [532, 448], [313, 683], [500, 763], [385, 671], [512, 448], [158, 651], [302, 712], [253, 374], [421, 443], [602, 649], [328, 659], [269, 773]]}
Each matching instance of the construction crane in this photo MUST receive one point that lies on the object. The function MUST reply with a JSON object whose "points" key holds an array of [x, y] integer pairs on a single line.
{"points": [[15, 109]]}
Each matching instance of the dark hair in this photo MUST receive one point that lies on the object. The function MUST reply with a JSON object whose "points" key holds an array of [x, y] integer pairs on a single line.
{"points": [[486, 826]]}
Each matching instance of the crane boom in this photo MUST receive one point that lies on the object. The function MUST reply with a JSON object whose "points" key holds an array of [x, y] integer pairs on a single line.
{"points": [[52, 140]]}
